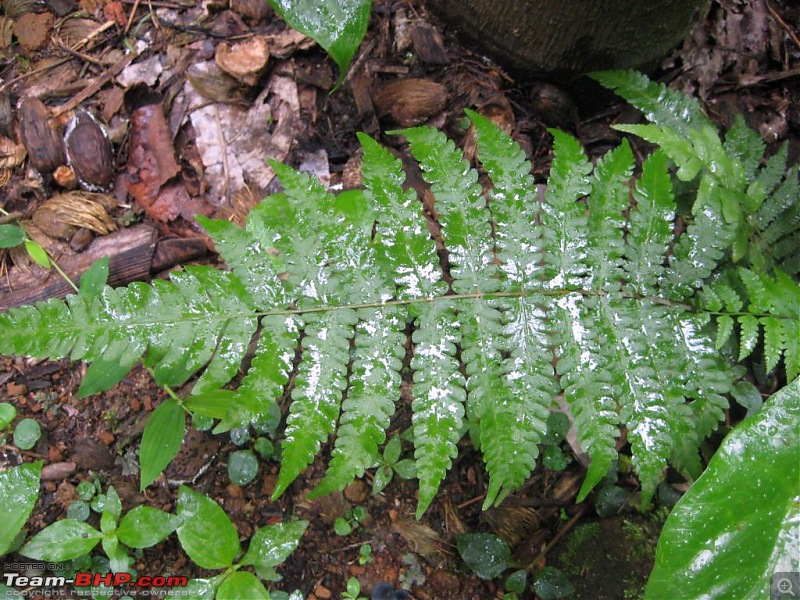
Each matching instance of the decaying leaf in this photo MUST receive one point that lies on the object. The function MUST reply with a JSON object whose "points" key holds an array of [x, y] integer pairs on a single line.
{"points": [[422, 539], [63, 214]]}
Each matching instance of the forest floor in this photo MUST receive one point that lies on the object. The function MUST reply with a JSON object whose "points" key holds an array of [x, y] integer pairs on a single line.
{"points": [[743, 59]]}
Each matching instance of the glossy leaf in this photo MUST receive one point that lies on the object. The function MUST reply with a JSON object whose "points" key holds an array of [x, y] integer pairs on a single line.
{"points": [[62, 541], [161, 440], [737, 524], [272, 544], [145, 526], [94, 278], [206, 533], [336, 25], [11, 235], [484, 553], [242, 467], [19, 489], [242, 586], [27, 433]]}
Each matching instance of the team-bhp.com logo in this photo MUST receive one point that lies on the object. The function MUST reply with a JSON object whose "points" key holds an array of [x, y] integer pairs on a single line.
{"points": [[85, 579]]}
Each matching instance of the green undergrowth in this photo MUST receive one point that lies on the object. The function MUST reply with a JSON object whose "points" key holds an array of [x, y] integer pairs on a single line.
{"points": [[592, 293]]}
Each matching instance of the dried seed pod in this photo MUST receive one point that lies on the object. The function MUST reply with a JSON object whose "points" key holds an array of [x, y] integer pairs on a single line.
{"points": [[89, 151], [41, 138], [62, 215], [409, 102]]}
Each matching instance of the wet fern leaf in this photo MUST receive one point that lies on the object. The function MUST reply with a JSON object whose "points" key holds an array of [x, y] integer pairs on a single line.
{"points": [[335, 304]]}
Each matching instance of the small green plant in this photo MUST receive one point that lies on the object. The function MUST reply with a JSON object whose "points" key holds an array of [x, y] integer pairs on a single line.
{"points": [[26, 433], [365, 554], [392, 464], [205, 532], [353, 590], [351, 520], [242, 467]]}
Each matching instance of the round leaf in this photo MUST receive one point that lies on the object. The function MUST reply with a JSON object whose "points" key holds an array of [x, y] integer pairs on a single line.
{"points": [[78, 510], [485, 553], [7, 414], [242, 586], [552, 584], [242, 467], [11, 235], [26, 434]]}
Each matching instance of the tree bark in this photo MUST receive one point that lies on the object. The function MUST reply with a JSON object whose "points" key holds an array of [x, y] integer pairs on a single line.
{"points": [[563, 38]]}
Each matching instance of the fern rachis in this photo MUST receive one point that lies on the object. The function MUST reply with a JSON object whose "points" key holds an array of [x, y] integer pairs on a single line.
{"points": [[584, 280]]}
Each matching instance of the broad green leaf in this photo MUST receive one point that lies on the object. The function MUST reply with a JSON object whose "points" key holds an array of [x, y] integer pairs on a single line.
{"points": [[738, 523], [94, 278], [242, 585], [336, 25], [484, 553], [161, 440], [11, 235], [145, 526], [206, 533], [214, 403], [19, 489], [272, 544], [62, 541]]}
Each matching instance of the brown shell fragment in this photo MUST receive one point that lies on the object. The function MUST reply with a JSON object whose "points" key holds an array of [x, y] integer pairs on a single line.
{"points": [[89, 151], [409, 102], [244, 61], [41, 138]]}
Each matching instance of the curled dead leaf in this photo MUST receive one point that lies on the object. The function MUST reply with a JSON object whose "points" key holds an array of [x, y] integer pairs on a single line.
{"points": [[409, 102], [11, 154], [63, 214], [41, 138], [422, 539]]}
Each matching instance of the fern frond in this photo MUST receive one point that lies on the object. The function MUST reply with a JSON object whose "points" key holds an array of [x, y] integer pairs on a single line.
{"points": [[181, 326], [758, 302]]}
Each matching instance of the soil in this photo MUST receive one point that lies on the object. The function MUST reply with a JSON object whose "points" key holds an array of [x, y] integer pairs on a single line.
{"points": [[734, 62]]}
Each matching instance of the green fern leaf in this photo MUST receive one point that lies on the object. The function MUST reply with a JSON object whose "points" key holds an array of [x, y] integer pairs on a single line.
{"points": [[773, 341], [651, 226], [439, 396], [724, 330], [748, 335], [563, 218], [746, 146]]}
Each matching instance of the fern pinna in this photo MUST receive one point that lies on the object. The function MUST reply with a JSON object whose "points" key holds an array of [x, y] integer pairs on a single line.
{"points": [[586, 293]]}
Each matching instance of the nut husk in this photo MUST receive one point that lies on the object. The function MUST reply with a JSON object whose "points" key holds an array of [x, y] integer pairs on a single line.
{"points": [[41, 138], [245, 60], [411, 101], [63, 214], [89, 151]]}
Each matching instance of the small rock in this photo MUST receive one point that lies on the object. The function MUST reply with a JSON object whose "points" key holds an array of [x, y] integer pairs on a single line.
{"points": [[322, 592], [58, 471], [356, 492]]}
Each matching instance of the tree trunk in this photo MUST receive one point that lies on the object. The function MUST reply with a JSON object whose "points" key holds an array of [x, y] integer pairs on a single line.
{"points": [[563, 38]]}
